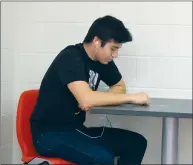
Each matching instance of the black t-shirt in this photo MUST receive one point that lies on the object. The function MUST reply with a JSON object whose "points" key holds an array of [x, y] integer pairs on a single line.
{"points": [[56, 107]]}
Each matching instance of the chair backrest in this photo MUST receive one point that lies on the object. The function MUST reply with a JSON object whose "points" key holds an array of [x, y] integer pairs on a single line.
{"points": [[25, 108]]}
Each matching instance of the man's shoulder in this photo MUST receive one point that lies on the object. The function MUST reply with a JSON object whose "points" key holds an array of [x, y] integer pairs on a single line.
{"points": [[70, 56], [70, 51]]}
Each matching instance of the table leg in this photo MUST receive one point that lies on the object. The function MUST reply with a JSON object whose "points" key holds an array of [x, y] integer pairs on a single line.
{"points": [[169, 153]]}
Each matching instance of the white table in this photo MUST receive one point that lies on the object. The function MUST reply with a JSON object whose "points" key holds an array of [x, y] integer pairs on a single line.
{"points": [[169, 109]]}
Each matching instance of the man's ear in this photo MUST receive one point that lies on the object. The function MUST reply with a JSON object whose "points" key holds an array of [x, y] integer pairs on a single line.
{"points": [[96, 41]]}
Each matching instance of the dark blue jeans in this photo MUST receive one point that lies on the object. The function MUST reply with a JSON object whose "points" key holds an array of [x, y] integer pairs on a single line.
{"points": [[95, 145]]}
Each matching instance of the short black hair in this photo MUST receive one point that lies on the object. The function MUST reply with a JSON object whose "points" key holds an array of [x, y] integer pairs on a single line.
{"points": [[108, 28]]}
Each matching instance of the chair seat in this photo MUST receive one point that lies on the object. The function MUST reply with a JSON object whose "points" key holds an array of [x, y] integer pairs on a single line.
{"points": [[51, 160]]}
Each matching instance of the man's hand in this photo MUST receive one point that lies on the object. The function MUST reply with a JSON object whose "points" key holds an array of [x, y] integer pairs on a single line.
{"points": [[140, 98]]}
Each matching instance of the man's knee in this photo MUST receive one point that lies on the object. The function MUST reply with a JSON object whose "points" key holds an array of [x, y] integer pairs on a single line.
{"points": [[138, 141], [142, 142]]}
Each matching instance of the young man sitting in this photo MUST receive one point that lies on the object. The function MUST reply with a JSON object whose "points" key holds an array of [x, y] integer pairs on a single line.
{"points": [[69, 89]]}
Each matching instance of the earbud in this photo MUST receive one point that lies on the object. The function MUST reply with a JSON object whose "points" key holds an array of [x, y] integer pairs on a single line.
{"points": [[97, 44], [96, 47]]}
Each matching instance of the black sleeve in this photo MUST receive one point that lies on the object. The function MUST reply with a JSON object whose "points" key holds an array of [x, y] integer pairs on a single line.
{"points": [[110, 74], [70, 67]]}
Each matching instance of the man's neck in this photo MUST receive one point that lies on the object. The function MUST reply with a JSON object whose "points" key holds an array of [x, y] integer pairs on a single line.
{"points": [[89, 50]]}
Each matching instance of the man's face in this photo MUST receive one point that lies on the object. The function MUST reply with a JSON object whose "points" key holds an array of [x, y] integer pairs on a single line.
{"points": [[106, 54]]}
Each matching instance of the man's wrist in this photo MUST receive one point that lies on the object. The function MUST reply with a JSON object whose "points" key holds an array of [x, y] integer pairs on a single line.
{"points": [[130, 98]]}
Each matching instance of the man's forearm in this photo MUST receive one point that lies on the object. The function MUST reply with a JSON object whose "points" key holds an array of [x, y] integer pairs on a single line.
{"points": [[117, 90], [114, 96], [97, 98]]}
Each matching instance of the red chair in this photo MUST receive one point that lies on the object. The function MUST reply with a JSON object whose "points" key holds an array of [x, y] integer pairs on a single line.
{"points": [[26, 105]]}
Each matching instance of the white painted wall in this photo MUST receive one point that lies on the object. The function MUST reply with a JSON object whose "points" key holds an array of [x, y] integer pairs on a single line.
{"points": [[158, 61], [7, 82]]}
